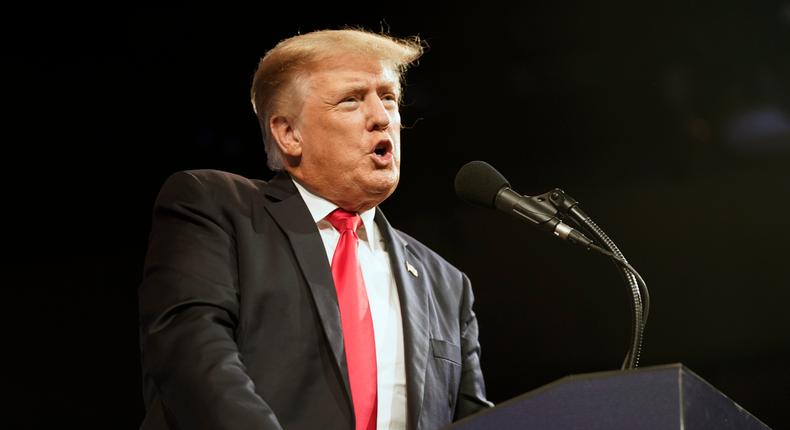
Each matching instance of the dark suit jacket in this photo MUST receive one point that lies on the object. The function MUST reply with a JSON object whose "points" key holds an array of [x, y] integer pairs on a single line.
{"points": [[239, 323]]}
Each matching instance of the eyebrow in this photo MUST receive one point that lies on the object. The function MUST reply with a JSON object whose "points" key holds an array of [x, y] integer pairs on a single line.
{"points": [[357, 88]]}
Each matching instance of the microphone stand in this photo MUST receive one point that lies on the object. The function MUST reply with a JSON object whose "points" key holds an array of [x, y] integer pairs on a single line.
{"points": [[640, 297]]}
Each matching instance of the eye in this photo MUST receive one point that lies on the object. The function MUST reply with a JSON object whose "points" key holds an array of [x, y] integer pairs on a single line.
{"points": [[350, 99], [390, 97]]}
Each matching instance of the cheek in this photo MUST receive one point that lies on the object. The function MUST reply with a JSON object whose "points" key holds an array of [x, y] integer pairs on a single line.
{"points": [[396, 141], [395, 120]]}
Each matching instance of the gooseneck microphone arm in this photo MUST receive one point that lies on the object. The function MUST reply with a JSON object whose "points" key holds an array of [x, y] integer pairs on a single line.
{"points": [[640, 297]]}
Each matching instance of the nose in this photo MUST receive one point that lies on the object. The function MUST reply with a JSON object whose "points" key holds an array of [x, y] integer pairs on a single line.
{"points": [[379, 117]]}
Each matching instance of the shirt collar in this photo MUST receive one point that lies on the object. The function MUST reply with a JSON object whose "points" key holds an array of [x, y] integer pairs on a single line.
{"points": [[320, 207]]}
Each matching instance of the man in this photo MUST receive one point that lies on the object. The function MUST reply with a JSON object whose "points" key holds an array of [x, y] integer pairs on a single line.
{"points": [[259, 310]]}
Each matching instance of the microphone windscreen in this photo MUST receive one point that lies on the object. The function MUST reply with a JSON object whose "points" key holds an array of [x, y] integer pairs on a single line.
{"points": [[478, 182]]}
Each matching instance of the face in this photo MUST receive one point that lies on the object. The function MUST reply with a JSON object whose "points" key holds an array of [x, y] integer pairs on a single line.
{"points": [[346, 135]]}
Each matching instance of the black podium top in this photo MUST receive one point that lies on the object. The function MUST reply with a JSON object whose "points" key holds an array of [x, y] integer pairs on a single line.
{"points": [[661, 398]]}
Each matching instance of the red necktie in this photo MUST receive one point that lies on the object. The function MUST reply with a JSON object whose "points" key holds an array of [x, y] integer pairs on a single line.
{"points": [[355, 318]]}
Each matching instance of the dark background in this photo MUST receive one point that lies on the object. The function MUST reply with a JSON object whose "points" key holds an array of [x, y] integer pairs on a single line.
{"points": [[668, 121]]}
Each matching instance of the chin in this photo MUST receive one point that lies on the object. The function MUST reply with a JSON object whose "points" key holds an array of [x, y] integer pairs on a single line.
{"points": [[388, 183], [379, 190]]}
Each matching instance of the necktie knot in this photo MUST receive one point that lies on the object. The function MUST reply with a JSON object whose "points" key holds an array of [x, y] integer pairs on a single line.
{"points": [[343, 220]]}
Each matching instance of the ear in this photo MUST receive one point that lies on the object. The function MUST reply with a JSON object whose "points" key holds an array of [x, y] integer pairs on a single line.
{"points": [[286, 135]]}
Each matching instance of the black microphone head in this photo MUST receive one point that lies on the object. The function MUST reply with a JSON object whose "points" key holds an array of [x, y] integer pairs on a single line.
{"points": [[478, 182]]}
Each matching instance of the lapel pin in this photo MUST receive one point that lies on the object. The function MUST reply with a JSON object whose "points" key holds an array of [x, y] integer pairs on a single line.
{"points": [[412, 270]]}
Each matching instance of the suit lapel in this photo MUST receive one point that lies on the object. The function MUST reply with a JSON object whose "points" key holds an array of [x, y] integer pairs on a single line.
{"points": [[413, 292], [289, 211]]}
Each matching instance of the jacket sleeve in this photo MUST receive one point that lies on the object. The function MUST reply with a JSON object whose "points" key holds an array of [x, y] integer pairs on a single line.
{"points": [[472, 391], [189, 311]]}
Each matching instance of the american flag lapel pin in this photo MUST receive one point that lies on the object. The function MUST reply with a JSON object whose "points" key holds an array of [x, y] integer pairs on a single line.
{"points": [[412, 270]]}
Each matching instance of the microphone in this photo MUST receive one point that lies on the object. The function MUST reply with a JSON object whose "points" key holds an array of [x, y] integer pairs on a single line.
{"points": [[479, 183]]}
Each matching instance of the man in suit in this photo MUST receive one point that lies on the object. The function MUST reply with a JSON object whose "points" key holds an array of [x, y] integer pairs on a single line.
{"points": [[258, 312]]}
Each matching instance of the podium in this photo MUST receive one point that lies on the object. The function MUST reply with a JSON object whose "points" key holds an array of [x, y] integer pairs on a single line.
{"points": [[651, 398]]}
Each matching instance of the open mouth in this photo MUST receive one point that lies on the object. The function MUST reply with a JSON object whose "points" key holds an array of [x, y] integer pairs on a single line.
{"points": [[383, 148], [382, 153]]}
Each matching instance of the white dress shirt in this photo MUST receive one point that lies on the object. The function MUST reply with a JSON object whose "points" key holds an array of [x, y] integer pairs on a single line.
{"points": [[384, 306]]}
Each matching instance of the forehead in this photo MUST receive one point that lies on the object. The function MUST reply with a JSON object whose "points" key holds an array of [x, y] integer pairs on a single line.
{"points": [[351, 71]]}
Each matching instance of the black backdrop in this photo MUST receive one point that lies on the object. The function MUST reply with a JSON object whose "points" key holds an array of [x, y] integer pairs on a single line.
{"points": [[668, 121]]}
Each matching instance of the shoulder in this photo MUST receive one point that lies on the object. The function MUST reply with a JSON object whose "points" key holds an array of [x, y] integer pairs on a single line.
{"points": [[212, 184], [209, 191], [211, 180]]}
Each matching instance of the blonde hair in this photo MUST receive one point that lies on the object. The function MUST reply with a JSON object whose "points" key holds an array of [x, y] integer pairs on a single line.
{"points": [[292, 58]]}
